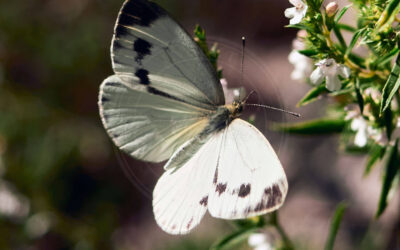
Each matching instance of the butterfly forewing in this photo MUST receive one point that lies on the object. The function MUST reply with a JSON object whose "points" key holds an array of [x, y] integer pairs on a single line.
{"points": [[147, 126], [151, 46], [249, 179]]}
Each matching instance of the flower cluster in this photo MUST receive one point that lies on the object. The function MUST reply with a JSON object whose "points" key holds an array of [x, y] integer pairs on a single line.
{"points": [[363, 87]]}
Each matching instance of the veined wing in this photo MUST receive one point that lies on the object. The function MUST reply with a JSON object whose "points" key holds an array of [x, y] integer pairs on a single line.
{"points": [[148, 127], [180, 197], [249, 179], [153, 48]]}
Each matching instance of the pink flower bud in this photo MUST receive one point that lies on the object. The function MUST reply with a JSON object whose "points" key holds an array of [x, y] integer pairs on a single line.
{"points": [[331, 8]]}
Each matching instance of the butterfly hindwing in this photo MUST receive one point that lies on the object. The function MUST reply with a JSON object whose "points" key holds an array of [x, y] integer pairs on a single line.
{"points": [[150, 46], [180, 197], [249, 179], [147, 126]]}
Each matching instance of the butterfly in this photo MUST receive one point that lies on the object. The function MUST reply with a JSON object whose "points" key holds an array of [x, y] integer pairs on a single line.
{"points": [[165, 101]]}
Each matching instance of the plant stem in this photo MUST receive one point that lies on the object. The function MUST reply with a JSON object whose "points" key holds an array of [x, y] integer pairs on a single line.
{"points": [[287, 243]]}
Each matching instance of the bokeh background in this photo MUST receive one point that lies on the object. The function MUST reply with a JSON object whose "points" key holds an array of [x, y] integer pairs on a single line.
{"points": [[63, 185]]}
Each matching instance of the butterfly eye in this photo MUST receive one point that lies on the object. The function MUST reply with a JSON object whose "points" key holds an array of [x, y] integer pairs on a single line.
{"points": [[240, 108]]}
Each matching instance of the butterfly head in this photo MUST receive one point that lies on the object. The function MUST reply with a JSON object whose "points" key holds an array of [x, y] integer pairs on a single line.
{"points": [[235, 109]]}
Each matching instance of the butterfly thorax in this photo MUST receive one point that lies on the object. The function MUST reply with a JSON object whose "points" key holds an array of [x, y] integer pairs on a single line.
{"points": [[235, 109], [223, 116]]}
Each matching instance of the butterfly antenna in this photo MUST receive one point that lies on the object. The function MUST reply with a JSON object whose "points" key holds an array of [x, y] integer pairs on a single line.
{"points": [[242, 61], [247, 97], [273, 108]]}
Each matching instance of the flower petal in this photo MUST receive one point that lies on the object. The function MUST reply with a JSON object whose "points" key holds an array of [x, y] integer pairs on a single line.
{"points": [[294, 56], [296, 2], [256, 239], [304, 11], [316, 76], [296, 18], [333, 83], [344, 71], [361, 138], [297, 75], [290, 12], [358, 123]]}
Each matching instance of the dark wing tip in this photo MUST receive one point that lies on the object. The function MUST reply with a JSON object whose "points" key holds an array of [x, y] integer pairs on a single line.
{"points": [[139, 12]]}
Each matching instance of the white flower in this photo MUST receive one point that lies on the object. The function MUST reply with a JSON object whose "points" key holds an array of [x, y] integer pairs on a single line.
{"points": [[296, 13], [38, 224], [231, 94], [259, 241], [12, 204], [359, 125], [302, 65], [329, 70], [363, 130]]}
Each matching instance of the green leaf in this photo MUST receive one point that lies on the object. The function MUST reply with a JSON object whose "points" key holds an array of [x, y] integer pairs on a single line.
{"points": [[312, 95], [388, 57], [346, 27], [388, 15], [336, 220], [200, 38], [353, 41], [312, 127], [315, 5], [212, 53], [376, 153], [391, 86], [234, 239], [339, 36], [300, 27], [342, 12], [360, 99], [308, 52], [391, 170], [388, 119]]}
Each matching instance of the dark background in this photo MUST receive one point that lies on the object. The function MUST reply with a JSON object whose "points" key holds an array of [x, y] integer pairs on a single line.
{"points": [[62, 182]]}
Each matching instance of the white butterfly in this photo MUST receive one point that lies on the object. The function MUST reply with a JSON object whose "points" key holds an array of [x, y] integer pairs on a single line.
{"points": [[166, 102]]}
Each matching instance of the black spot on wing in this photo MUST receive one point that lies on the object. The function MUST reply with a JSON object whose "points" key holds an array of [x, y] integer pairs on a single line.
{"points": [[271, 197], [189, 223], [142, 48], [244, 190], [267, 191], [104, 99], [121, 31], [260, 206], [140, 12], [274, 195], [143, 76], [113, 84], [161, 93], [220, 188], [204, 201], [215, 176]]}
